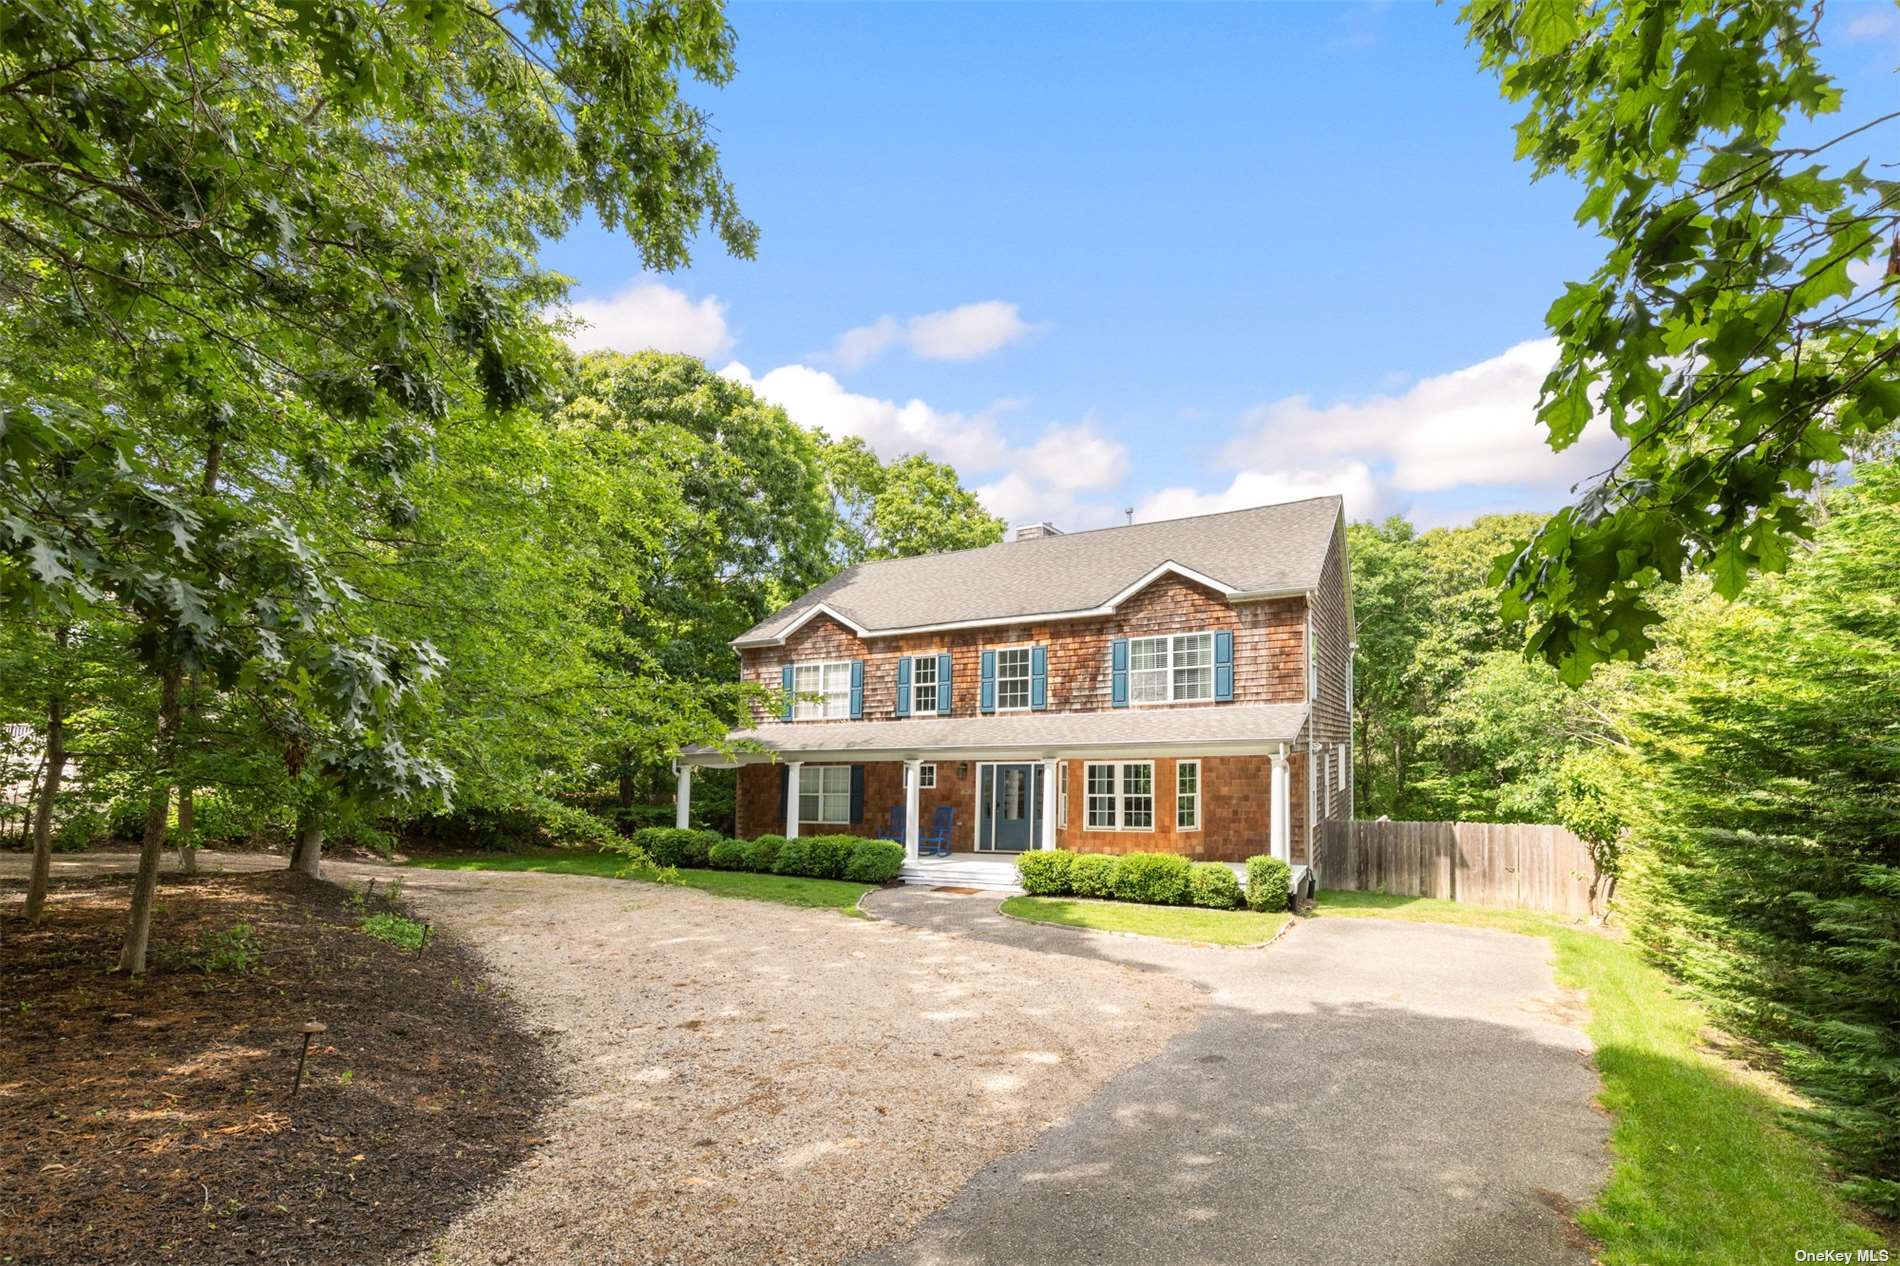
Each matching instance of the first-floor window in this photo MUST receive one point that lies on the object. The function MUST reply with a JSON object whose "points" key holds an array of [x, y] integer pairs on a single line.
{"points": [[831, 681], [1062, 794], [926, 777], [824, 794], [1187, 795], [1121, 796]]}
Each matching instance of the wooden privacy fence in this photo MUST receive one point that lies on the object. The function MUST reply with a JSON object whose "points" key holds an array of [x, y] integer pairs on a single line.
{"points": [[1514, 864]]}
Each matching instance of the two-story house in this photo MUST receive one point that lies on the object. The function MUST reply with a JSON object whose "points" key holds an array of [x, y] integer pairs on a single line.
{"points": [[1182, 686]]}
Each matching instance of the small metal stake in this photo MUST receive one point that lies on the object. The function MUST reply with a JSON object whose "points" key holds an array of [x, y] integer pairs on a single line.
{"points": [[427, 927], [310, 1030], [370, 891]]}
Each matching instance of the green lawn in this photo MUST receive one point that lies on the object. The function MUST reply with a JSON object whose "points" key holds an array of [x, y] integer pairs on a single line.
{"points": [[1704, 1169], [788, 890], [1179, 923]]}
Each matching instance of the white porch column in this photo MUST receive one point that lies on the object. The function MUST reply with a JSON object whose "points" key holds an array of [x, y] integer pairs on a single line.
{"points": [[1280, 826], [1050, 799], [683, 798], [791, 797], [913, 830]]}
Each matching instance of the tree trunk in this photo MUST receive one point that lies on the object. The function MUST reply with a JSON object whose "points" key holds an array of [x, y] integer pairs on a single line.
{"points": [[139, 928], [187, 846], [43, 812], [625, 790], [307, 858]]}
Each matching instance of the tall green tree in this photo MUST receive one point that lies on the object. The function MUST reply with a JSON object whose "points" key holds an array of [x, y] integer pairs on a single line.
{"points": [[1390, 596], [1762, 787], [262, 256], [1723, 337], [900, 509]]}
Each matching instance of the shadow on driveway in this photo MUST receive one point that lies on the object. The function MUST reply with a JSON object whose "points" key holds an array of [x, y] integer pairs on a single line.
{"points": [[1361, 1092]]}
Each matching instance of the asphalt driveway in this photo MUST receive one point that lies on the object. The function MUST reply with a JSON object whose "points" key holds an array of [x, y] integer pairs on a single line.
{"points": [[1363, 1091]]}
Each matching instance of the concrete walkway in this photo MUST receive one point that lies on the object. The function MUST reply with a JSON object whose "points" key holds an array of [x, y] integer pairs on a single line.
{"points": [[1363, 1091]]}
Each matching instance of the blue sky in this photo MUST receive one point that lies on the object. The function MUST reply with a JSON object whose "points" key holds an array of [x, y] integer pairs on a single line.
{"points": [[1175, 258]]}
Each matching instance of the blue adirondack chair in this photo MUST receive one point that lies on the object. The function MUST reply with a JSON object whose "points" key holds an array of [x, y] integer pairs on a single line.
{"points": [[943, 824], [894, 829]]}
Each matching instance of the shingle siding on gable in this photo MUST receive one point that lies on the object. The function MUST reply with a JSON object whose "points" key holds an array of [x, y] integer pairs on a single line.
{"points": [[1269, 641]]}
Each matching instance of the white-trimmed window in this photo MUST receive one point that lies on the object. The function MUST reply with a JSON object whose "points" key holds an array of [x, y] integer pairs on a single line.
{"points": [[1012, 678], [1174, 669], [1187, 795], [824, 794], [1121, 796], [926, 776], [831, 681], [1062, 795], [923, 686]]}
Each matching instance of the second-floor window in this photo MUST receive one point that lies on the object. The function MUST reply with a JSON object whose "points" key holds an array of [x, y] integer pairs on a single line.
{"points": [[831, 682], [1012, 678], [1171, 669], [923, 686]]}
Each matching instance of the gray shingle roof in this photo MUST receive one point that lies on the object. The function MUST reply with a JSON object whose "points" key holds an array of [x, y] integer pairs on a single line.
{"points": [[1278, 548], [1074, 733]]}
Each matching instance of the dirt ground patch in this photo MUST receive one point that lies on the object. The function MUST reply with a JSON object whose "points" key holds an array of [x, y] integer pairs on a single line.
{"points": [[151, 1120]]}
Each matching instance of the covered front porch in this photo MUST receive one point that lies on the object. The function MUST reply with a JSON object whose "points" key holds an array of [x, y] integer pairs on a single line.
{"points": [[964, 795]]}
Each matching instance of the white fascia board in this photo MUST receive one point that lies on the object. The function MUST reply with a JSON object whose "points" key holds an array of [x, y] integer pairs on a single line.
{"points": [[1169, 568], [804, 618], [1007, 754], [1262, 595]]}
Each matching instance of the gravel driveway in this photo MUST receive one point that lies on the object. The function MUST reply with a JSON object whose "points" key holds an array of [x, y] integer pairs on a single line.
{"points": [[744, 1082], [1363, 1091]]}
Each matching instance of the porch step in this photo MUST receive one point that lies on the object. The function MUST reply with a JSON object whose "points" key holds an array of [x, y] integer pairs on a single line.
{"points": [[984, 876]]}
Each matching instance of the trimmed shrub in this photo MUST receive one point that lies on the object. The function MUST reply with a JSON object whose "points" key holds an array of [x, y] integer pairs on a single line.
{"points": [[1093, 874], [794, 857], [830, 854], [1044, 874], [1158, 879], [1213, 885], [1268, 882], [729, 855], [875, 862], [672, 846], [761, 853]]}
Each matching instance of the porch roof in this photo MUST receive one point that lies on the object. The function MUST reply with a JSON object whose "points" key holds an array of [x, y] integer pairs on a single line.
{"points": [[1252, 729]]}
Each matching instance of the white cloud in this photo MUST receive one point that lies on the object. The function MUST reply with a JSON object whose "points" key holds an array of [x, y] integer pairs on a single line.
{"points": [[1873, 24], [649, 315], [1352, 480], [1475, 426], [1041, 481], [962, 333]]}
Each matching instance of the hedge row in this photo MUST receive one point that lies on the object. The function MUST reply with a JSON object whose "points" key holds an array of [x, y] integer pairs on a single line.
{"points": [[1162, 879], [815, 856]]}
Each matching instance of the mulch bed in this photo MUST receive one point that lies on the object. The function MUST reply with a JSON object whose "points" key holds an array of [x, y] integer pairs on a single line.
{"points": [[151, 1119]]}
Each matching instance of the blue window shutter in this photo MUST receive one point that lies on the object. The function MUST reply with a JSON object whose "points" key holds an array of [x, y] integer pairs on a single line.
{"points": [[1118, 674], [986, 697], [943, 684], [857, 689], [784, 791], [785, 683], [903, 685], [1223, 665], [857, 793], [1038, 677]]}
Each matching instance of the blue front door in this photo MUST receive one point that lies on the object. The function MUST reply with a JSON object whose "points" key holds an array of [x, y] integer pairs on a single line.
{"points": [[1008, 799]]}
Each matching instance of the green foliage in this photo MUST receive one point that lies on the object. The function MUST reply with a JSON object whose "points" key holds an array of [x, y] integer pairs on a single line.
{"points": [[1094, 874], [674, 846], [1269, 883], [762, 853], [730, 855], [1157, 878], [1213, 885], [1724, 337], [397, 929], [816, 856], [909, 507], [1763, 864], [234, 949], [1044, 874], [875, 862]]}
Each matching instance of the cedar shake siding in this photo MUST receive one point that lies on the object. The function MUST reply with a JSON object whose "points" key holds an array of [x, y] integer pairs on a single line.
{"points": [[1234, 807]]}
